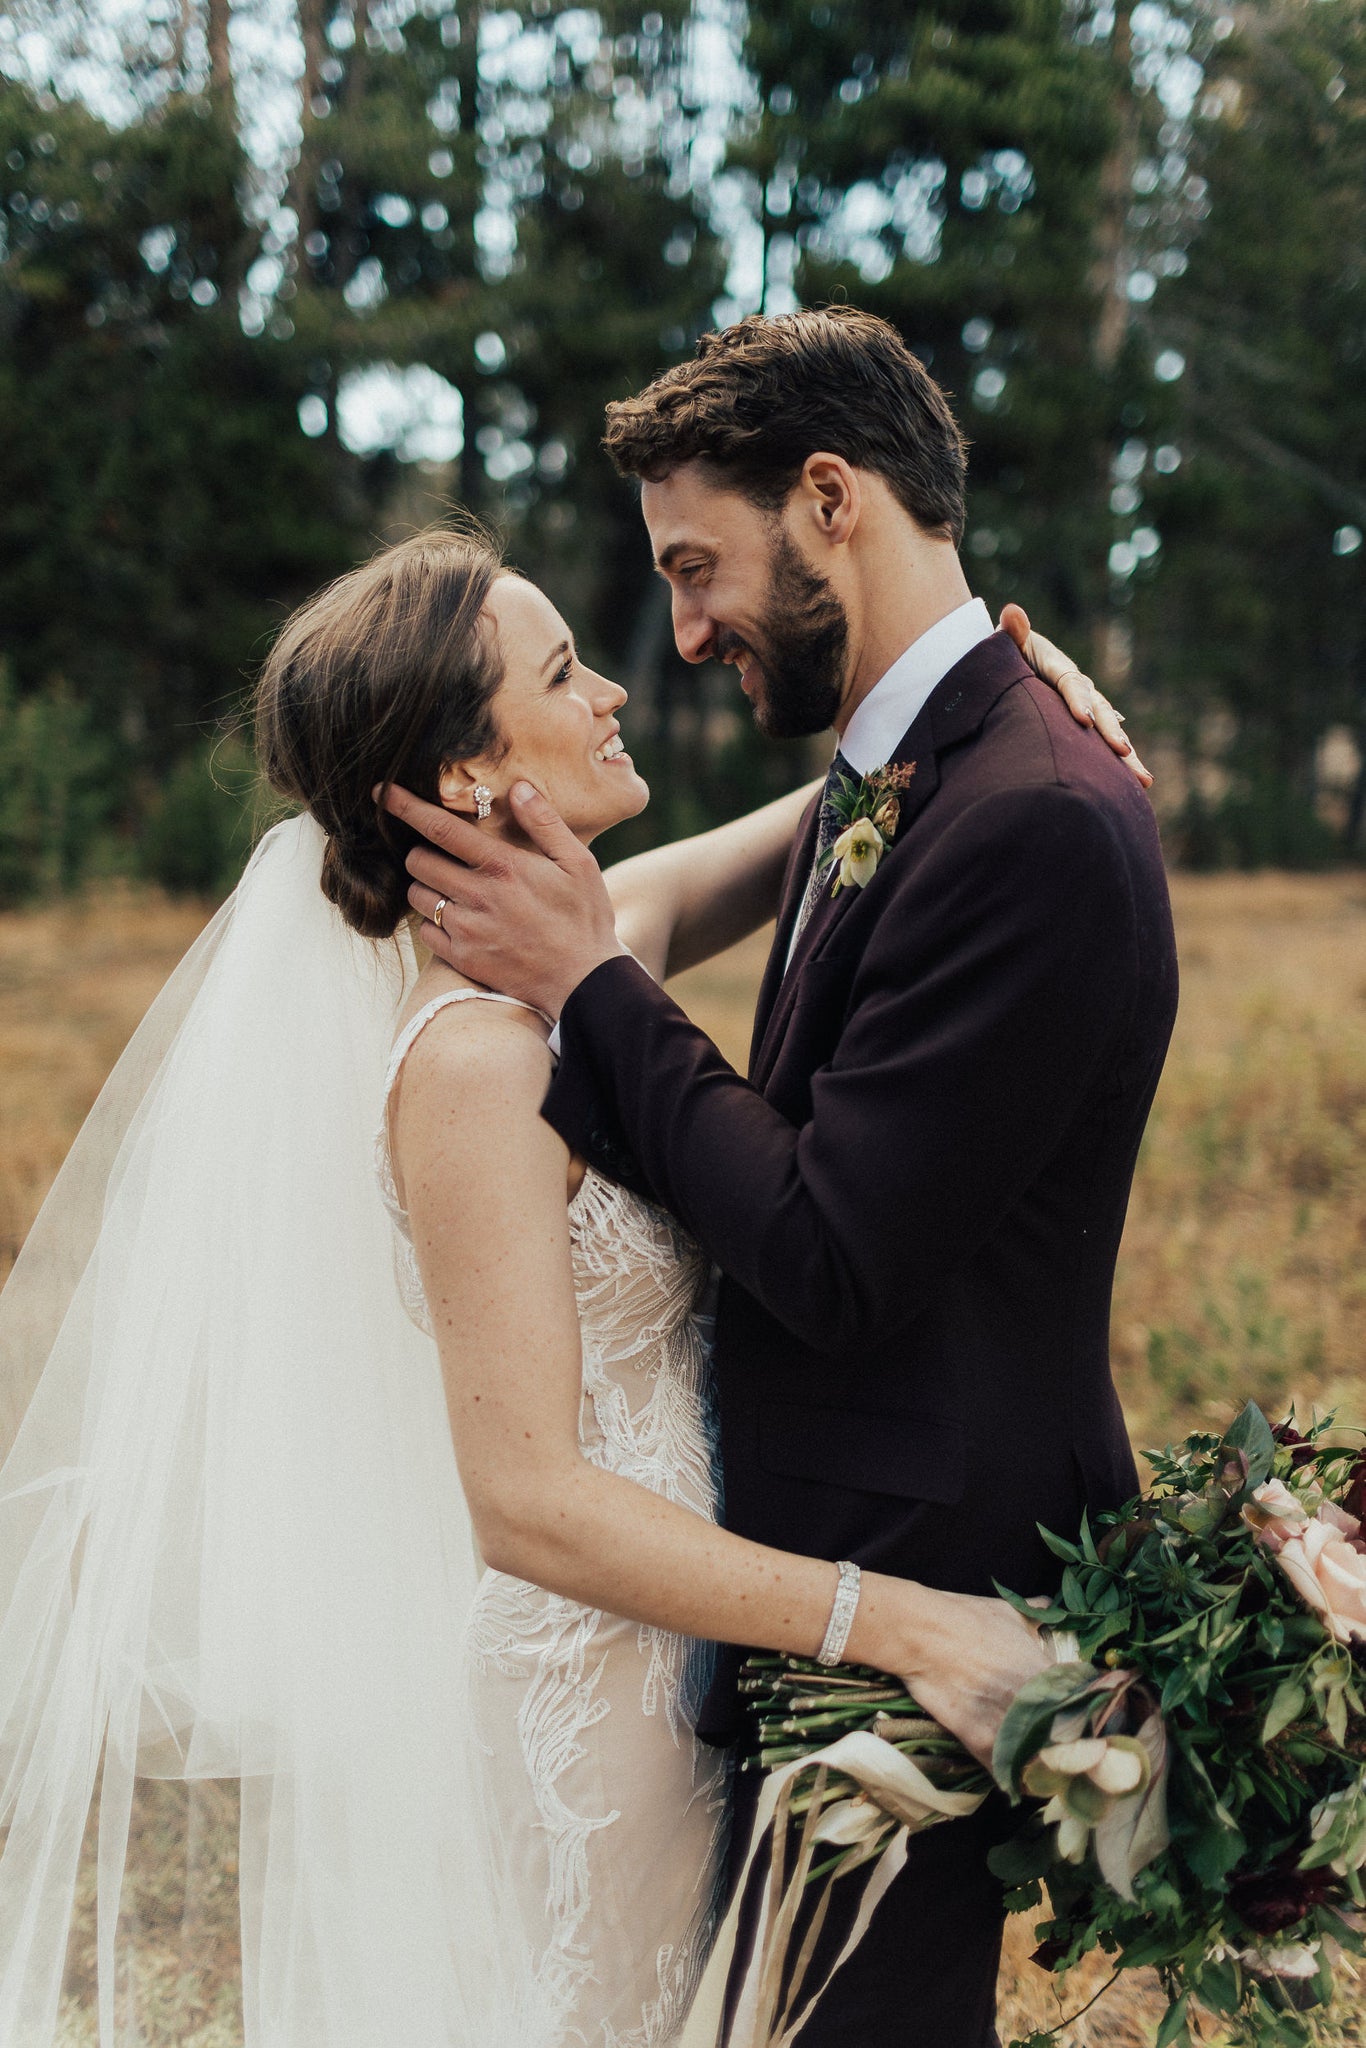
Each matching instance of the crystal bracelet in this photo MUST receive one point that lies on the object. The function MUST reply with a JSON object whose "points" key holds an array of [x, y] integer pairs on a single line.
{"points": [[841, 1614]]}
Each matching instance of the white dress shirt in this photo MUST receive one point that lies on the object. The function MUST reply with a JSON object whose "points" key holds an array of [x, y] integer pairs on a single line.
{"points": [[897, 698]]}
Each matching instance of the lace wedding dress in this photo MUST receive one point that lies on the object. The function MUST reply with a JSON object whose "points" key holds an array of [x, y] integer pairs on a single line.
{"points": [[611, 1812]]}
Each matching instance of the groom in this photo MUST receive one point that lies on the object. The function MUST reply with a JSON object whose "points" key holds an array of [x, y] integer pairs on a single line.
{"points": [[916, 1197]]}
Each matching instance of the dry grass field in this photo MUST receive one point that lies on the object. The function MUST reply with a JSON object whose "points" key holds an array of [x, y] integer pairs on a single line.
{"points": [[1244, 1266]]}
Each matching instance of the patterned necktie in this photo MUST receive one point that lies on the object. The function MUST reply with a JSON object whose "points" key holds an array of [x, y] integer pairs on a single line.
{"points": [[827, 833]]}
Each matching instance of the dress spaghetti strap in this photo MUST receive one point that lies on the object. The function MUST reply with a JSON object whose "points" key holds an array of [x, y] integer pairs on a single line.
{"points": [[403, 1045]]}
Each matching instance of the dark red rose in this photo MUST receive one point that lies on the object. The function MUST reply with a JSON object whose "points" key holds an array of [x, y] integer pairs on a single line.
{"points": [[1301, 1450], [1269, 1901], [1353, 1502]]}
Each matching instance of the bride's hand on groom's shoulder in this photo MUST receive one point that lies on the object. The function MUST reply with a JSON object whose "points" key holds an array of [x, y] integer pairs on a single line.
{"points": [[964, 1660], [1086, 703]]}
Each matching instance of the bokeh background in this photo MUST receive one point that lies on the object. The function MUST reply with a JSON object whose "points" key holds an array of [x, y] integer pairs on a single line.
{"points": [[281, 279]]}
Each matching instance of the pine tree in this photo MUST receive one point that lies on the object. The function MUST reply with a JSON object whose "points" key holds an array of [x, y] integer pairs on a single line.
{"points": [[943, 166], [1257, 612], [157, 501], [507, 200]]}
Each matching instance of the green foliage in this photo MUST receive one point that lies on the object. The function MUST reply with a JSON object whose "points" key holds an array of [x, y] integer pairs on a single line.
{"points": [[157, 501], [54, 790], [1254, 613], [1200, 1753], [198, 831], [1252, 1349], [983, 133], [1264, 821], [1266, 1725], [531, 204]]}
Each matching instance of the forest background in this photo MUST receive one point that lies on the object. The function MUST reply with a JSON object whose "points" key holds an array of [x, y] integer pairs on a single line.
{"points": [[281, 278]]}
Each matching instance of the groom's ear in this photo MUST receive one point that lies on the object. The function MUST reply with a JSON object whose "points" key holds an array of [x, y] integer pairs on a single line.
{"points": [[831, 493]]}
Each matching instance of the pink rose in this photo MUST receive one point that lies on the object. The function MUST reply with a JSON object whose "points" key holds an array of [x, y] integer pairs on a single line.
{"points": [[1274, 1514], [1322, 1555]]}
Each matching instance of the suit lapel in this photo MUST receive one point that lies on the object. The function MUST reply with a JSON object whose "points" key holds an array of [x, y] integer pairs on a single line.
{"points": [[953, 712], [794, 889], [826, 913]]}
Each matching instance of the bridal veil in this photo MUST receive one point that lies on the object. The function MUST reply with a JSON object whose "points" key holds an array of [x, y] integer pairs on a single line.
{"points": [[233, 1545]]}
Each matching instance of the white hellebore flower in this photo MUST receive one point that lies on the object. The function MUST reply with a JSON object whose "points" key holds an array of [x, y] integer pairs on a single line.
{"points": [[1287, 1959], [1114, 1765], [1073, 1834], [858, 850], [1081, 1780]]}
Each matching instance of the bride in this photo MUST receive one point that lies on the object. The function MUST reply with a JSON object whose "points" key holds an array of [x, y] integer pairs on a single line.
{"points": [[423, 1571]]}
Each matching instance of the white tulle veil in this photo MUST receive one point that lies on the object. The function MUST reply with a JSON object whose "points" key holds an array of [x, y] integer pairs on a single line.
{"points": [[233, 1548]]}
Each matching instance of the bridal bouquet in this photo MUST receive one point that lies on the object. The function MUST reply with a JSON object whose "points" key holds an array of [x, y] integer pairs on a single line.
{"points": [[1193, 1769]]}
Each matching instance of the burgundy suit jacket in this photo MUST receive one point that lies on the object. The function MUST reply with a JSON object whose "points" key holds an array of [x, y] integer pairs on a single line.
{"points": [[916, 1198]]}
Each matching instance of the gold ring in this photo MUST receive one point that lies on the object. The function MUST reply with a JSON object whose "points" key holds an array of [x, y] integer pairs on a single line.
{"points": [[439, 913]]}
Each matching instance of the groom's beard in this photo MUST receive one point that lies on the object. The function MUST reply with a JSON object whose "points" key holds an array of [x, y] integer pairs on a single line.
{"points": [[801, 655]]}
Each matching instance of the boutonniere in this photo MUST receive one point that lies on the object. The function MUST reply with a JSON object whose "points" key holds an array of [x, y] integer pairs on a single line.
{"points": [[870, 811]]}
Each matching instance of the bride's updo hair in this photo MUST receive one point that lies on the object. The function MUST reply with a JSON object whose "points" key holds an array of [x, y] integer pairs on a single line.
{"points": [[386, 676]]}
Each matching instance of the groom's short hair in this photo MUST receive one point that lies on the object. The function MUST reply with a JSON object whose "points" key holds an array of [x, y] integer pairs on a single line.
{"points": [[760, 397]]}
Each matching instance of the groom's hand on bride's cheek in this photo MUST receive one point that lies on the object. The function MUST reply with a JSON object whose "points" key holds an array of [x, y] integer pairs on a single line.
{"points": [[529, 921], [1085, 702]]}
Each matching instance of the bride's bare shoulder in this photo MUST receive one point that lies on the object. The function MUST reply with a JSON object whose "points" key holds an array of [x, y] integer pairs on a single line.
{"points": [[494, 1041], [468, 1093]]}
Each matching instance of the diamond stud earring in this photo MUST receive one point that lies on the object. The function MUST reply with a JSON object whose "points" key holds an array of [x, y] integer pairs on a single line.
{"points": [[483, 800]]}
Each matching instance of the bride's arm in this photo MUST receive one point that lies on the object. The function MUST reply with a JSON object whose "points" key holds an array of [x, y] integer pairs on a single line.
{"points": [[484, 1179], [682, 903]]}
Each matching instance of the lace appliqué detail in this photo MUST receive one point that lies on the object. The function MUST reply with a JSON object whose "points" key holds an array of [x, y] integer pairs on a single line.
{"points": [[643, 1415]]}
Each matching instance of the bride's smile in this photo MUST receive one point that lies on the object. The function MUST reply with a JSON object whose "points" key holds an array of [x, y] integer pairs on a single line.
{"points": [[557, 723]]}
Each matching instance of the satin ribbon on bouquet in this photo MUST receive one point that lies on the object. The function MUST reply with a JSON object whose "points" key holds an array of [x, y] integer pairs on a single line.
{"points": [[889, 1784]]}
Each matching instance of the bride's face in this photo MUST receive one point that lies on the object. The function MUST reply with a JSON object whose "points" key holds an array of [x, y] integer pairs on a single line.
{"points": [[558, 719]]}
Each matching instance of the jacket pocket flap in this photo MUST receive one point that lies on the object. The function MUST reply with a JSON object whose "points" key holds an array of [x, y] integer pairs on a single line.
{"points": [[914, 1457]]}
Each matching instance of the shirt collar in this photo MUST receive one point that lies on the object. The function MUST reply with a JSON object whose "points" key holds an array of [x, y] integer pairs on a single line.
{"points": [[895, 701]]}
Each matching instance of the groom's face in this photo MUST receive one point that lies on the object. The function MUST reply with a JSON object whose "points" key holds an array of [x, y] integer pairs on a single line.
{"points": [[745, 593]]}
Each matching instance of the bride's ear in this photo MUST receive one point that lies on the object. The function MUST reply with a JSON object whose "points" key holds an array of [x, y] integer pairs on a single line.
{"points": [[458, 786]]}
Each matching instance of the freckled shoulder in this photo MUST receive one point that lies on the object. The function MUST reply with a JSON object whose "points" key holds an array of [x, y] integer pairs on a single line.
{"points": [[470, 1089], [480, 1046]]}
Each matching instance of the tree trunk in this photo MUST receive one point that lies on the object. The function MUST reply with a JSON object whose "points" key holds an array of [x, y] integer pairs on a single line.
{"points": [[474, 483], [1110, 273], [348, 223], [1352, 834], [220, 57], [1110, 280], [303, 184], [180, 33], [360, 51]]}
